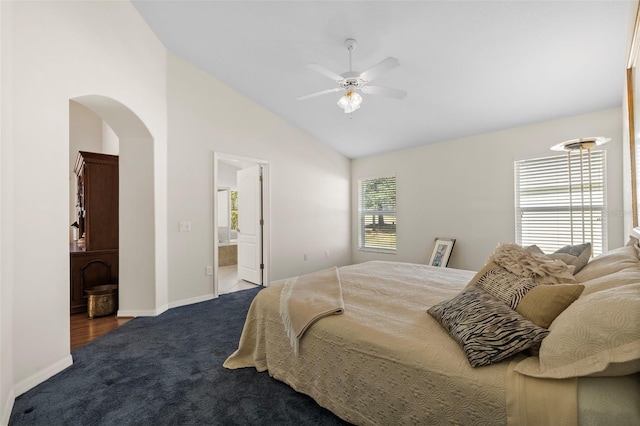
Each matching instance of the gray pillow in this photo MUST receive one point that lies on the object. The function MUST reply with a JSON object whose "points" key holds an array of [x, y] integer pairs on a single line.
{"points": [[577, 255]]}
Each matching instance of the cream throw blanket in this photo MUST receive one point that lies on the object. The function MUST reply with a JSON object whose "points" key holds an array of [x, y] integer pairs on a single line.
{"points": [[306, 299]]}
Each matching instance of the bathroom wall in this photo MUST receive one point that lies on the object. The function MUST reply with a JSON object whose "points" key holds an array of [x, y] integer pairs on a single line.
{"points": [[227, 254]]}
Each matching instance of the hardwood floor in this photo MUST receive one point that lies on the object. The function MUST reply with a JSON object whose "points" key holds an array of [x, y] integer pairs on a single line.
{"points": [[84, 330]]}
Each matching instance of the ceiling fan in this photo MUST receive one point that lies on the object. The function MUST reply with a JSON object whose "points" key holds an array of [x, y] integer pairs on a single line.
{"points": [[351, 81]]}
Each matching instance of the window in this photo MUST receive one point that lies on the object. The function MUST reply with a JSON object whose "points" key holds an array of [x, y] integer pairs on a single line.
{"points": [[234, 210], [551, 212], [377, 214]]}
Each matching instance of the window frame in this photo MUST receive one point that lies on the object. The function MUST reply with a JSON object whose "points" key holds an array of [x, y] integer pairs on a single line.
{"points": [[233, 209], [541, 189], [386, 212]]}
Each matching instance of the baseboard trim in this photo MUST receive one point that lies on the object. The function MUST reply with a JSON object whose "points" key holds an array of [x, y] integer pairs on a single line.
{"points": [[164, 308], [140, 313], [191, 301], [42, 375], [8, 408]]}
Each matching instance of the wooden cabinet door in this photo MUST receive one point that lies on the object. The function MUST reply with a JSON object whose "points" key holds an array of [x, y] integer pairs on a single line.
{"points": [[99, 176], [90, 269]]}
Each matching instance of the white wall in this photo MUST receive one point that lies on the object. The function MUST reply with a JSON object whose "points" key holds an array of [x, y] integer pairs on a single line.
{"points": [[110, 141], [7, 394], [85, 134], [309, 183], [48, 64], [464, 188], [227, 175]]}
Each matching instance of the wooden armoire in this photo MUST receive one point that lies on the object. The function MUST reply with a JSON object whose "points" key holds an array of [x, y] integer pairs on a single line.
{"points": [[94, 257]]}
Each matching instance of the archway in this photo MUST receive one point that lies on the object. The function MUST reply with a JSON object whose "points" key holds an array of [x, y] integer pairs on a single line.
{"points": [[137, 216]]}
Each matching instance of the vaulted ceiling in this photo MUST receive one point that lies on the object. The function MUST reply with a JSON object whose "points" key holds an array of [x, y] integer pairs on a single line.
{"points": [[469, 67]]}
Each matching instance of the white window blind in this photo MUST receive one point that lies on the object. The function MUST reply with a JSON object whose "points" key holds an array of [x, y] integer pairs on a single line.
{"points": [[551, 211], [377, 214]]}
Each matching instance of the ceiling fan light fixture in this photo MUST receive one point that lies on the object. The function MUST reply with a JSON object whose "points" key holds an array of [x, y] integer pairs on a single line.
{"points": [[353, 81], [350, 102]]}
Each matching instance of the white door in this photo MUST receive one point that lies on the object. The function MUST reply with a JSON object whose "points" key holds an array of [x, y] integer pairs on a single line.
{"points": [[249, 224]]}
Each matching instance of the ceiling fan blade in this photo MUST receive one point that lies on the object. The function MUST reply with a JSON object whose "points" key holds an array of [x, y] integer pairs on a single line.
{"points": [[379, 69], [326, 72], [385, 91], [322, 92]]}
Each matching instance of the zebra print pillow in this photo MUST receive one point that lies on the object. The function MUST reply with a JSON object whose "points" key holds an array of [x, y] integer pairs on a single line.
{"points": [[505, 285], [485, 327]]}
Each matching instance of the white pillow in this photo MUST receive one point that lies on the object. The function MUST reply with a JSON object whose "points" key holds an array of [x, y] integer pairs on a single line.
{"points": [[607, 263], [630, 275], [598, 335], [614, 268]]}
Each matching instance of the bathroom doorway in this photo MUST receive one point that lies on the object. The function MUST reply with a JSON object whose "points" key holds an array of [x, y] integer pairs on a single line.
{"points": [[241, 231], [227, 222]]}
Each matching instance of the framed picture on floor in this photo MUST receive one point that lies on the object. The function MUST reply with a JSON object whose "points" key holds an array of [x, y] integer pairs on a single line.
{"points": [[441, 252]]}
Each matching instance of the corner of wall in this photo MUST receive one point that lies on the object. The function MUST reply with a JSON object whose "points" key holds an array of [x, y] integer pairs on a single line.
{"points": [[7, 393], [42, 375], [5, 415], [191, 301]]}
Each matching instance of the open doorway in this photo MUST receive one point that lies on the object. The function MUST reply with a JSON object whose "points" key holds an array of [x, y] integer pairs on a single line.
{"points": [[106, 127], [241, 224], [94, 220]]}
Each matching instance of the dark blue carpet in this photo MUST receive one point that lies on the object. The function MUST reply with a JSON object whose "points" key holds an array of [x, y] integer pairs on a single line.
{"points": [[167, 370]]}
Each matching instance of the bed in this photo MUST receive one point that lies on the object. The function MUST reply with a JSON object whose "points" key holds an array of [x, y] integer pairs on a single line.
{"points": [[379, 350]]}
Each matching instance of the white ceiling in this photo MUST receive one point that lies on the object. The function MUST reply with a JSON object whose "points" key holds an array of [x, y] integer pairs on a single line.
{"points": [[469, 67]]}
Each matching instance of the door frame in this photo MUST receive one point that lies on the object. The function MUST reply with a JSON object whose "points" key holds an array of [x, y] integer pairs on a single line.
{"points": [[266, 211]]}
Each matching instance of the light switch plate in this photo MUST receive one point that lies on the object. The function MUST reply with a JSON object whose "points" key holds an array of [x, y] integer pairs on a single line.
{"points": [[185, 226]]}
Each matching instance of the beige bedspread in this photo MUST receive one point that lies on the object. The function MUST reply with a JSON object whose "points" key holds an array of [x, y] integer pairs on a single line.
{"points": [[383, 361], [540, 402]]}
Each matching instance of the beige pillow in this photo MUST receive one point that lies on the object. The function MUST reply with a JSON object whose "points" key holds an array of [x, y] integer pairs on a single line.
{"points": [[598, 335], [634, 242], [621, 278], [543, 303], [608, 263]]}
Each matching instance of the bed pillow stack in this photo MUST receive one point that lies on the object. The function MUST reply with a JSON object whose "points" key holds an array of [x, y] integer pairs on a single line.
{"points": [[599, 334], [507, 306]]}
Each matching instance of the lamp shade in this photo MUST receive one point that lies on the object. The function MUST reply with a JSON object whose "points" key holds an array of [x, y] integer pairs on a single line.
{"points": [[350, 102], [584, 143]]}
